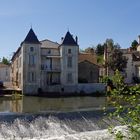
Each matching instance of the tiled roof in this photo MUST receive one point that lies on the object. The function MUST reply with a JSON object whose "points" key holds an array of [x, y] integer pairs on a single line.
{"points": [[31, 38], [69, 40], [3, 65], [87, 56], [86, 61]]}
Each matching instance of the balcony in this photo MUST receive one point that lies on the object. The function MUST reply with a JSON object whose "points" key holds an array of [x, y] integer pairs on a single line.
{"points": [[51, 69]]}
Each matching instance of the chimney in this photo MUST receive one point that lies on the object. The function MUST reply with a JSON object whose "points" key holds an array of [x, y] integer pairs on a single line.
{"points": [[138, 39], [62, 38], [76, 39]]}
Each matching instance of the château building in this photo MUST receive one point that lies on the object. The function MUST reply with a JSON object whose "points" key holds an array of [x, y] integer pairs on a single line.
{"points": [[45, 65]]}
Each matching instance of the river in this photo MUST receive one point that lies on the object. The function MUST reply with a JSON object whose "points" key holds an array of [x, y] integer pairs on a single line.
{"points": [[73, 118]]}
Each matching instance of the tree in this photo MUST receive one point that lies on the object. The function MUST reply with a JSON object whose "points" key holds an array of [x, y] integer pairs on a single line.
{"points": [[5, 61], [100, 49], [134, 45], [89, 50], [117, 60], [110, 43], [125, 100]]}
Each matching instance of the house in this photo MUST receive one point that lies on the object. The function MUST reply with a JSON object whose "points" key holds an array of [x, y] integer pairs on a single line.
{"points": [[89, 56], [131, 73], [88, 72], [45, 65], [4, 72]]}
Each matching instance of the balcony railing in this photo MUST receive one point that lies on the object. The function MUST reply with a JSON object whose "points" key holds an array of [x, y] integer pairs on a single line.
{"points": [[52, 69]]}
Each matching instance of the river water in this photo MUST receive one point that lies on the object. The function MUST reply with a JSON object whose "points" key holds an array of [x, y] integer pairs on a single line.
{"points": [[73, 118]]}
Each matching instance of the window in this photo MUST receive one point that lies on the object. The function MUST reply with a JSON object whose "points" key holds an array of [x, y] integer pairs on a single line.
{"points": [[31, 76], [69, 62], [20, 62], [31, 60], [69, 77], [17, 63], [49, 51], [69, 51], [6, 73], [19, 78], [31, 49]]}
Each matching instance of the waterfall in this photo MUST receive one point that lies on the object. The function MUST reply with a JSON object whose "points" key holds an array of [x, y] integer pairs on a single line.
{"points": [[54, 128]]}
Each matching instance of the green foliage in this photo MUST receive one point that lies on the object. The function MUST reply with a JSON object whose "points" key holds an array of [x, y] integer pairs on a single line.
{"points": [[5, 61], [117, 60], [100, 49], [105, 79], [100, 59], [134, 45], [126, 101]]}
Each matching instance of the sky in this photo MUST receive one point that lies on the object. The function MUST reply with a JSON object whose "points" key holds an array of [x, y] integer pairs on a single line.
{"points": [[93, 21]]}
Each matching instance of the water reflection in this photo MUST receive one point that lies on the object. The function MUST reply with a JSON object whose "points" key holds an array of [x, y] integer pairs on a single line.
{"points": [[40, 104]]}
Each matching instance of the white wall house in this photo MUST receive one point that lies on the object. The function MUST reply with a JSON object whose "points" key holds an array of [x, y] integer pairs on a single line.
{"points": [[4, 72], [43, 64], [132, 71]]}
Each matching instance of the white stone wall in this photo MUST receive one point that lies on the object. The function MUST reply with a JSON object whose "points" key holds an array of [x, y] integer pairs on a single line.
{"points": [[129, 70], [138, 48], [64, 69], [50, 52], [86, 88], [5, 73], [91, 87], [31, 87]]}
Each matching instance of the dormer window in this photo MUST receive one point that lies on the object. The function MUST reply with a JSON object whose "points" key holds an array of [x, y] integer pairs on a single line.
{"points": [[31, 49], [69, 51]]}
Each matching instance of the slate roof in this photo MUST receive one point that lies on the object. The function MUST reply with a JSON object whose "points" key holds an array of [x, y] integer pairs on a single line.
{"points": [[31, 38], [69, 40]]}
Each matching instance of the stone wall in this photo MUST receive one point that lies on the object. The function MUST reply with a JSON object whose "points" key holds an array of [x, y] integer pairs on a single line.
{"points": [[86, 88]]}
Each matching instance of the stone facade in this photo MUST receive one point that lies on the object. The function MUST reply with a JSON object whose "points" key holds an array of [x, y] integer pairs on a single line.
{"points": [[4, 72], [88, 72]]}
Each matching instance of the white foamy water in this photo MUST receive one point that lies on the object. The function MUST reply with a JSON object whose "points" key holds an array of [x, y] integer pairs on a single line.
{"points": [[52, 128]]}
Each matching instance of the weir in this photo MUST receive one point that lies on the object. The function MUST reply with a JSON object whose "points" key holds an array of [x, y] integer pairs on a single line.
{"points": [[73, 125]]}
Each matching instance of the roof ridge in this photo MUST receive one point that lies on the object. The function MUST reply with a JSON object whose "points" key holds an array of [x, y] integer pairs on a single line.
{"points": [[50, 41]]}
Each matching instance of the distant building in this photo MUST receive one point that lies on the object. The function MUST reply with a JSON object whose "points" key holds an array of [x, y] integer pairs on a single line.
{"points": [[89, 56], [4, 72], [131, 73], [39, 65], [88, 72]]}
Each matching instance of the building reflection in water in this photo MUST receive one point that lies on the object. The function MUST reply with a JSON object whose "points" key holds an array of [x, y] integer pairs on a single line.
{"points": [[11, 104], [40, 104]]}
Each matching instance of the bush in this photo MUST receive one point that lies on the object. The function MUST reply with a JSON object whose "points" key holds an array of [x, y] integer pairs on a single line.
{"points": [[126, 101]]}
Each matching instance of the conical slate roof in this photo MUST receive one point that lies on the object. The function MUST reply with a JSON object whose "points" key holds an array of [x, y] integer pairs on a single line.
{"points": [[31, 38], [69, 40]]}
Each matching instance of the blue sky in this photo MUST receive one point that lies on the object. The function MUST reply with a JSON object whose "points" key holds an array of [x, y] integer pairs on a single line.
{"points": [[93, 21]]}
